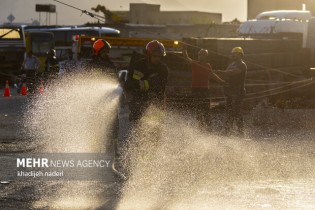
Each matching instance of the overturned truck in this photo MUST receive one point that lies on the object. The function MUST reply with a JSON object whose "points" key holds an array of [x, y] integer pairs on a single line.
{"points": [[278, 69], [279, 52]]}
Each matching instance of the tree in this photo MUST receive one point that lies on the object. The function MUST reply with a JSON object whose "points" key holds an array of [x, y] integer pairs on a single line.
{"points": [[100, 8], [235, 21]]}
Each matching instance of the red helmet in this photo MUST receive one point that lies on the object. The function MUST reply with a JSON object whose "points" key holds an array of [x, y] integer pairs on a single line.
{"points": [[155, 47], [99, 45]]}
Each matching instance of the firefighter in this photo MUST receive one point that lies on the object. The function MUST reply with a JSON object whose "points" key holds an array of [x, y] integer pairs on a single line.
{"points": [[201, 74], [146, 80], [235, 91], [100, 59], [51, 65], [145, 85]]}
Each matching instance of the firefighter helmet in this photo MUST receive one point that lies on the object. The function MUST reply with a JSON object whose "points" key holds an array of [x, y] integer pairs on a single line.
{"points": [[99, 45], [155, 47], [51, 53], [203, 52]]}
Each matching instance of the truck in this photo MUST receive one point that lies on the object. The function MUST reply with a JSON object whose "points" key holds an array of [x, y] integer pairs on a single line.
{"points": [[63, 36], [283, 24], [39, 43], [279, 51], [12, 49]]}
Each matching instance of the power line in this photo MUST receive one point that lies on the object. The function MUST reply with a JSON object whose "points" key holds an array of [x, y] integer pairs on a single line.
{"points": [[92, 15]]}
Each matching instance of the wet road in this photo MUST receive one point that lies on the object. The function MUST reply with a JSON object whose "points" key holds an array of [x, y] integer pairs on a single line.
{"points": [[11, 109], [17, 139], [188, 168]]}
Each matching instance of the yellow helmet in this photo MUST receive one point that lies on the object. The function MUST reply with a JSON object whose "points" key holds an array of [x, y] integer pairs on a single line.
{"points": [[238, 50]]}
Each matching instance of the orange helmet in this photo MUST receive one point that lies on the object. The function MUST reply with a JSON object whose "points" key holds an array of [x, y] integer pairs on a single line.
{"points": [[99, 45], [155, 47]]}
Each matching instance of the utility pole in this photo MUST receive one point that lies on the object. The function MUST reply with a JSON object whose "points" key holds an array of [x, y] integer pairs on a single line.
{"points": [[56, 18]]}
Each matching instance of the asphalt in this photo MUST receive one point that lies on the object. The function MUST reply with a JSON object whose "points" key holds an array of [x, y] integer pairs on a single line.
{"points": [[280, 146]]}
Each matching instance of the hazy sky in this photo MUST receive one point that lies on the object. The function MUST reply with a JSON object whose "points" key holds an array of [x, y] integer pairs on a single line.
{"points": [[24, 10]]}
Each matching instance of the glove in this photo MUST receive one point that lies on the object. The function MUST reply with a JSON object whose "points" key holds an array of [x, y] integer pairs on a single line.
{"points": [[144, 85]]}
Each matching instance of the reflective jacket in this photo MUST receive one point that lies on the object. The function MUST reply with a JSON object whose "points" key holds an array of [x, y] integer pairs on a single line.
{"points": [[146, 81]]}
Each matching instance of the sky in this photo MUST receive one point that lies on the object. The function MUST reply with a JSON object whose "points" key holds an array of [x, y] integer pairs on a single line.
{"points": [[24, 10]]}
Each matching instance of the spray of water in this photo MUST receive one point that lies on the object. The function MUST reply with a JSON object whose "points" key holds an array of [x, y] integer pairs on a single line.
{"points": [[174, 165], [74, 114]]}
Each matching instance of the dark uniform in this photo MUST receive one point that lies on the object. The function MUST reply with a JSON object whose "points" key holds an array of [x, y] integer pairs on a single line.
{"points": [[101, 60], [105, 65], [235, 92], [146, 83], [51, 65]]}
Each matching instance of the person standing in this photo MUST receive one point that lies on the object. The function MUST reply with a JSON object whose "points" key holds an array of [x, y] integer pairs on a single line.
{"points": [[101, 59], [102, 62], [147, 80], [145, 85], [29, 72], [235, 91], [201, 74], [51, 65], [30, 65]]}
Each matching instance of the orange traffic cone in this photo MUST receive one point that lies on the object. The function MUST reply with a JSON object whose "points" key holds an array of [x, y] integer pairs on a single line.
{"points": [[41, 87], [6, 92], [23, 89]]}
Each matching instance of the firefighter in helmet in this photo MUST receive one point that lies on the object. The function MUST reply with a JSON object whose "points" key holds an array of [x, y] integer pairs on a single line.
{"points": [[51, 65], [101, 58], [146, 80], [145, 85]]}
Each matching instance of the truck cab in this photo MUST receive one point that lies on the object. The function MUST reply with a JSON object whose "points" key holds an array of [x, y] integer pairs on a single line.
{"points": [[277, 24], [12, 49], [283, 24]]}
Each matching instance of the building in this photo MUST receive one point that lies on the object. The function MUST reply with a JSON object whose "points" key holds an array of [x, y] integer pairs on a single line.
{"points": [[254, 7], [150, 14], [148, 21], [178, 32]]}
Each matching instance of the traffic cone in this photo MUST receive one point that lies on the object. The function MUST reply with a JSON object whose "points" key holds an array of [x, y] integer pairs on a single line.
{"points": [[6, 92], [23, 89], [41, 87]]}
